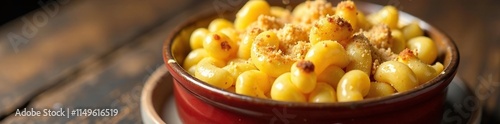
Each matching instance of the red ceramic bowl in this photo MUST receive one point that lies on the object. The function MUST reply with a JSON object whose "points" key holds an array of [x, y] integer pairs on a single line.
{"points": [[199, 102]]}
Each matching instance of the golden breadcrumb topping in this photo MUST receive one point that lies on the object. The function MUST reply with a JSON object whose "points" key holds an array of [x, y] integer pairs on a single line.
{"points": [[286, 52], [379, 36], [313, 11], [291, 33], [266, 22], [361, 41]]}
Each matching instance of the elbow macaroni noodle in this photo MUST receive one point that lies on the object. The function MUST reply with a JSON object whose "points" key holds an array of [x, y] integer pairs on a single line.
{"points": [[303, 76], [317, 53], [353, 86], [360, 55]]}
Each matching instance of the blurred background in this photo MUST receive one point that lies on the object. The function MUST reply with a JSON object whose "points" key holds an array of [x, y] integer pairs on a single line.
{"points": [[98, 53]]}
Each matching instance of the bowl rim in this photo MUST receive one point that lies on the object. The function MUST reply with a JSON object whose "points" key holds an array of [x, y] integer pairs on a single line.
{"points": [[149, 112], [449, 70]]}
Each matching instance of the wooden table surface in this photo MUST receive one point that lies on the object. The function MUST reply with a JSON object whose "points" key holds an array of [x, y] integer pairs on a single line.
{"points": [[98, 54]]}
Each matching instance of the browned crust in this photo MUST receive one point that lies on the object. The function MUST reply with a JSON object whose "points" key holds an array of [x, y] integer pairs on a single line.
{"points": [[225, 46], [306, 66], [406, 55], [341, 22], [216, 37]]}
